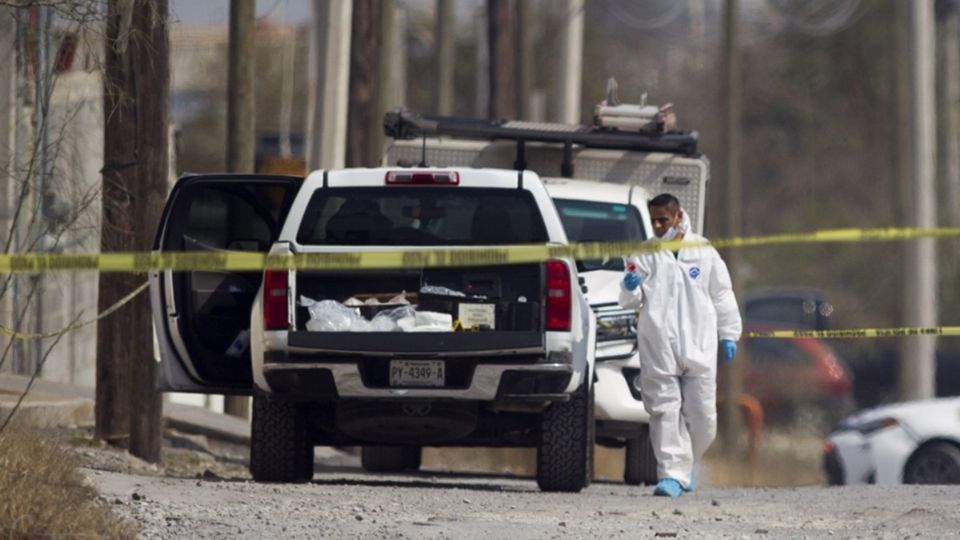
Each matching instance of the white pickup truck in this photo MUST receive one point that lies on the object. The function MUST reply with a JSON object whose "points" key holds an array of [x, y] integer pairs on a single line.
{"points": [[605, 178], [607, 212], [520, 375]]}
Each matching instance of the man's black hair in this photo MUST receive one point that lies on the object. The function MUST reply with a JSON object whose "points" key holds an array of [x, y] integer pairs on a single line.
{"points": [[664, 200]]}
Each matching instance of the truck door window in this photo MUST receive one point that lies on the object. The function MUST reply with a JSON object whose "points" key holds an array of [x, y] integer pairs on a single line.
{"points": [[233, 217], [591, 221]]}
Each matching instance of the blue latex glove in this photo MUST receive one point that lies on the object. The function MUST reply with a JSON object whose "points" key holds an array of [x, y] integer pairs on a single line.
{"points": [[632, 280], [729, 350]]}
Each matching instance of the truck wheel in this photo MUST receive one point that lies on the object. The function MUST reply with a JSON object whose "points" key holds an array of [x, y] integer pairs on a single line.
{"points": [[390, 459], [640, 463], [565, 455], [280, 446]]}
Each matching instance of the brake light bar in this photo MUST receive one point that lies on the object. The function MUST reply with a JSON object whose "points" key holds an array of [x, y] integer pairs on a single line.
{"points": [[276, 290], [559, 299], [420, 178]]}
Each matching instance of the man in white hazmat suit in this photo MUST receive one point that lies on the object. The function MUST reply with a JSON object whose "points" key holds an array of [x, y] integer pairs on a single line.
{"points": [[686, 304]]}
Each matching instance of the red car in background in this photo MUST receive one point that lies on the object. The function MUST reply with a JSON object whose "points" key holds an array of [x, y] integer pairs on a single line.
{"points": [[798, 380]]}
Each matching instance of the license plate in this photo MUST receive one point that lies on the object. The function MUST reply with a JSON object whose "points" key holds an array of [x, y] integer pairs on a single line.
{"points": [[416, 373]]}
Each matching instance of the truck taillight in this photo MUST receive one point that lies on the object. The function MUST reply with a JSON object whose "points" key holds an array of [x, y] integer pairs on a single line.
{"points": [[275, 291], [442, 178], [558, 296]]}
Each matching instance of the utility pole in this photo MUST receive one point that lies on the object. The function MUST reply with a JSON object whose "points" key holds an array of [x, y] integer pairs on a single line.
{"points": [[330, 74], [388, 80], [732, 372], [917, 354], [571, 61], [481, 81], [364, 74], [446, 49], [241, 143], [8, 173], [397, 84], [500, 30], [43, 88], [948, 82], [523, 57], [8, 77], [136, 121]]}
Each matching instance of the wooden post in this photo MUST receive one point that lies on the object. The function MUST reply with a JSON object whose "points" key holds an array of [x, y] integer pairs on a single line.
{"points": [[446, 45], [500, 30], [523, 64], [241, 138], [364, 75], [136, 101], [733, 372]]}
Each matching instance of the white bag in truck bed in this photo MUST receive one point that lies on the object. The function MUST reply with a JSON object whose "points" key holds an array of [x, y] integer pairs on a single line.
{"points": [[656, 172]]}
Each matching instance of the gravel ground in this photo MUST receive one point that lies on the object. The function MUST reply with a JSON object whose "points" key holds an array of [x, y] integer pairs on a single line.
{"points": [[345, 503], [203, 490]]}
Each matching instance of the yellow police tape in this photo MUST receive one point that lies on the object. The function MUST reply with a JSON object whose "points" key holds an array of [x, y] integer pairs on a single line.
{"points": [[14, 334], [857, 333], [344, 259]]}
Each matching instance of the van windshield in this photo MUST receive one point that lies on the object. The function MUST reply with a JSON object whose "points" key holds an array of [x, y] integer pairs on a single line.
{"points": [[421, 216], [591, 221]]}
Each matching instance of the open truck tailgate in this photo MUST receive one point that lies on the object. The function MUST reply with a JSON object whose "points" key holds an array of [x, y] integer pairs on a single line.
{"points": [[421, 345]]}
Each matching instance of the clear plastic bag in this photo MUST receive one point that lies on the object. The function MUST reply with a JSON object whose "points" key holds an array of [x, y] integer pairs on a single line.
{"points": [[386, 321], [331, 316]]}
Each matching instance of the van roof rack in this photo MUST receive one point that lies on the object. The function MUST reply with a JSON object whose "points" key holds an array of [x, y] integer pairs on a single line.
{"points": [[404, 124]]}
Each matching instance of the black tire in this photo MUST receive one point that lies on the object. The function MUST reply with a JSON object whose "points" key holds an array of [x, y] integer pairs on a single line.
{"points": [[937, 463], [390, 459], [280, 446], [565, 454], [640, 463]]}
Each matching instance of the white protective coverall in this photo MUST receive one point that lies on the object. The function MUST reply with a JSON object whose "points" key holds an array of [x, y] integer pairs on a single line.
{"points": [[686, 305]]}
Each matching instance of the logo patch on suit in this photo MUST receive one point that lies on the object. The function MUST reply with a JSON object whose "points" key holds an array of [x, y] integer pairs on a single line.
{"points": [[695, 272]]}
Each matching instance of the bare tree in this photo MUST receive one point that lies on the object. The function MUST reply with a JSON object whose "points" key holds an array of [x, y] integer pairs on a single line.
{"points": [[49, 44]]}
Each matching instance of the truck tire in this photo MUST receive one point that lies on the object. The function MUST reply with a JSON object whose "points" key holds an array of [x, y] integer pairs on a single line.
{"points": [[640, 463], [565, 454], [280, 445], [390, 459]]}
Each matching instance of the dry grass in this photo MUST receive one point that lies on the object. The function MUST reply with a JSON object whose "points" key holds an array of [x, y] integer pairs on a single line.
{"points": [[43, 495], [786, 459]]}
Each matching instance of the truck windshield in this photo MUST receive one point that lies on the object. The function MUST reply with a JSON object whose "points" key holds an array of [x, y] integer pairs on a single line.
{"points": [[591, 221], [421, 216]]}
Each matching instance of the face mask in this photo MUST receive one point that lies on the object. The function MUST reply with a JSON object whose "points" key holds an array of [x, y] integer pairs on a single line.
{"points": [[669, 235]]}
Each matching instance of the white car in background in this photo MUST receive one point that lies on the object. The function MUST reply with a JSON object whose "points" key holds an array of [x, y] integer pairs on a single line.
{"points": [[607, 212], [916, 442]]}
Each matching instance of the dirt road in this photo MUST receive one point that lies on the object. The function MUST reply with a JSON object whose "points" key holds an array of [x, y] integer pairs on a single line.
{"points": [[347, 503]]}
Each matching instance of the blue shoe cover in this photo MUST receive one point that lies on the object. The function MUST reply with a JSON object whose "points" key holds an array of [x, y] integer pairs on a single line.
{"points": [[668, 487], [693, 483]]}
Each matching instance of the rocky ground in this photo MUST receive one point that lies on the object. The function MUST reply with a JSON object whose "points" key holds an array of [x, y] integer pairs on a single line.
{"points": [[203, 491]]}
